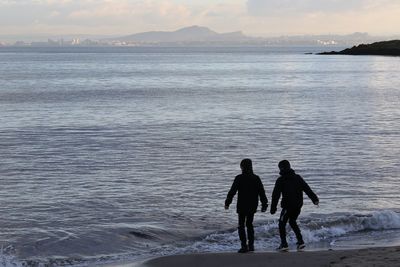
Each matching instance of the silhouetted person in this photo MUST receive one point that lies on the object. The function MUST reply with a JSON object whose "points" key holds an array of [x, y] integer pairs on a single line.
{"points": [[291, 186], [250, 189]]}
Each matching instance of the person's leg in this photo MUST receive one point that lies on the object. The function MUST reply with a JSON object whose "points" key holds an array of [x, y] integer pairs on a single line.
{"points": [[242, 230], [293, 215], [282, 226], [250, 230]]}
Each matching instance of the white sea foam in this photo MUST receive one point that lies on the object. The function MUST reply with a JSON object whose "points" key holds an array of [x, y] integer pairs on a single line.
{"points": [[7, 259], [382, 220]]}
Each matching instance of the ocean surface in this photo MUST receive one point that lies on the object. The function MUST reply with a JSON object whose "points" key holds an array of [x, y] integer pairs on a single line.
{"points": [[115, 154]]}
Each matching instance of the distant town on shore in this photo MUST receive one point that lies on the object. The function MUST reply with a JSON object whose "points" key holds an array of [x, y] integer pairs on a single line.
{"points": [[194, 36]]}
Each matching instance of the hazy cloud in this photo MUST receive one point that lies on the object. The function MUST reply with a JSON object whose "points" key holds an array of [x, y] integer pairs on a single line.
{"points": [[378, 17], [89, 13], [255, 17], [301, 7]]}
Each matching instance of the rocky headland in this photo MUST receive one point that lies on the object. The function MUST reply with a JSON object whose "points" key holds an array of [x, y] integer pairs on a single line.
{"points": [[386, 48]]}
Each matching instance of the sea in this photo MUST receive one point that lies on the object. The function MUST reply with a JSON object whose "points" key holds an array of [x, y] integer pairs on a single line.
{"points": [[122, 154]]}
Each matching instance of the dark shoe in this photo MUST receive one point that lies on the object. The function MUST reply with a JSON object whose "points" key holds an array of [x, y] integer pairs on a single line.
{"points": [[300, 245], [243, 250], [283, 248], [251, 247]]}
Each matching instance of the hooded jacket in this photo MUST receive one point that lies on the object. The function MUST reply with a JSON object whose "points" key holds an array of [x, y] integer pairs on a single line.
{"points": [[291, 186], [250, 189]]}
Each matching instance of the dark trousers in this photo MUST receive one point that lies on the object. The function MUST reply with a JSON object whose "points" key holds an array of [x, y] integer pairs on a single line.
{"points": [[246, 220], [291, 216]]}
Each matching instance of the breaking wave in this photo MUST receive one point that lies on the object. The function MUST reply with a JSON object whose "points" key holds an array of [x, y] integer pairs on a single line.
{"points": [[315, 228]]}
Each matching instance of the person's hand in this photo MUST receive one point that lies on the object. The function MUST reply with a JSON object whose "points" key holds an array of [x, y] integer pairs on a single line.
{"points": [[226, 207], [273, 210], [316, 202]]}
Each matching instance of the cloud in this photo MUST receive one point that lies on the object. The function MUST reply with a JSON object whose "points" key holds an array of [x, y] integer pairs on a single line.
{"points": [[378, 17], [301, 7], [255, 17], [94, 13], [119, 16], [108, 9]]}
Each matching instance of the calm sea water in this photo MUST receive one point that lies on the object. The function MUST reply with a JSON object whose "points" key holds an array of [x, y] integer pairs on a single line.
{"points": [[110, 154]]}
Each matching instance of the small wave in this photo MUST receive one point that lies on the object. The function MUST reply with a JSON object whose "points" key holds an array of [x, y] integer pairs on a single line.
{"points": [[382, 220], [314, 229], [147, 232], [140, 235], [335, 226], [7, 259]]}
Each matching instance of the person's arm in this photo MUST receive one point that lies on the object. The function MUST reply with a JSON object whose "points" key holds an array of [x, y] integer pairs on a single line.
{"points": [[232, 192], [306, 188], [263, 197], [276, 194]]}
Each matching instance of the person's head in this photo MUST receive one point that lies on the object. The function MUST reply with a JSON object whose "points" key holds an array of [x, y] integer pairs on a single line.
{"points": [[246, 165], [284, 165]]}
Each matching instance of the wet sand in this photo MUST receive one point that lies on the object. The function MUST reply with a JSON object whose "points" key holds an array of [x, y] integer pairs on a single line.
{"points": [[389, 256]]}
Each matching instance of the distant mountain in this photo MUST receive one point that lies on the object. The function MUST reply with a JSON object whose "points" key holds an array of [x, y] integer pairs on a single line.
{"points": [[197, 35], [386, 48], [184, 35]]}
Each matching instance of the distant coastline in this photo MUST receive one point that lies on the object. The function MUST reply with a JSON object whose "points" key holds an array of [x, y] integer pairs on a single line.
{"points": [[191, 36], [385, 48]]}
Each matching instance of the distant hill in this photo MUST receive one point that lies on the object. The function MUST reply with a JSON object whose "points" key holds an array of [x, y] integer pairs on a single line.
{"points": [[198, 35], [386, 48], [188, 34]]}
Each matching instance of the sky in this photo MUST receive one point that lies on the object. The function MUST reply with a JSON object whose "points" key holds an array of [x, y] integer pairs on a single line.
{"points": [[253, 17]]}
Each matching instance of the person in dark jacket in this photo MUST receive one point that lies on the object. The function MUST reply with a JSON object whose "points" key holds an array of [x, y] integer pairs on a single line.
{"points": [[291, 186], [250, 189]]}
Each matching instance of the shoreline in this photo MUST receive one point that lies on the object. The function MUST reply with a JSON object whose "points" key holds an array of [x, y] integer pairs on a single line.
{"points": [[379, 256]]}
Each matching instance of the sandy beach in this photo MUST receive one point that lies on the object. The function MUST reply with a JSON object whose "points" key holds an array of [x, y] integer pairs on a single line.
{"points": [[388, 256]]}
